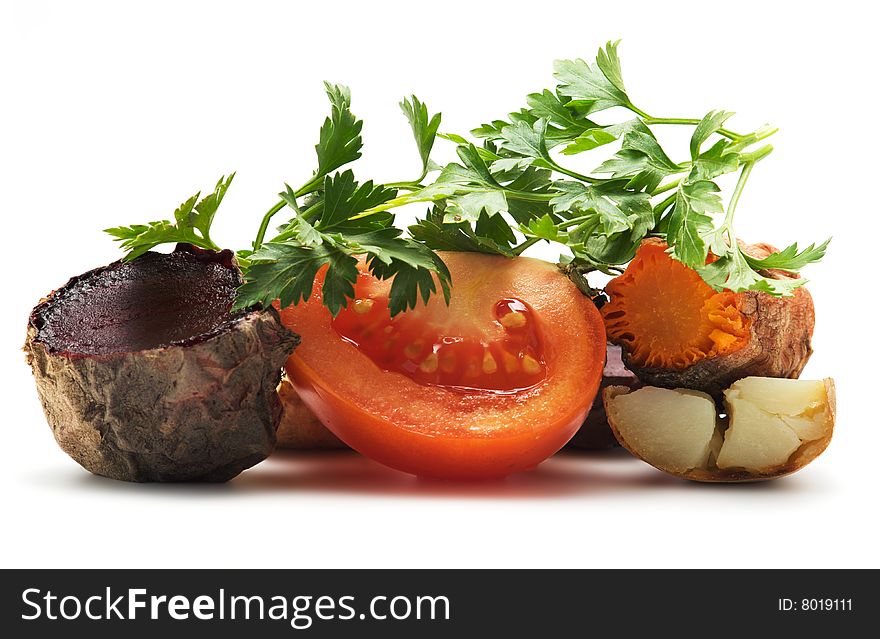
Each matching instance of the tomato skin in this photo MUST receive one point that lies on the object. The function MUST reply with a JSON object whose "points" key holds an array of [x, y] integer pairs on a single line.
{"points": [[425, 455], [426, 430]]}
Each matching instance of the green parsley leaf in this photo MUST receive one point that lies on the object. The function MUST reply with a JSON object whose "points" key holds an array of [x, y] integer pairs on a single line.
{"points": [[609, 63], [472, 159], [733, 272], [642, 160], [617, 210], [543, 228], [284, 271], [718, 160], [192, 225], [453, 137], [691, 219], [602, 135], [412, 282], [438, 234], [564, 123], [424, 128], [490, 131], [339, 280], [340, 138], [510, 165], [710, 124], [207, 207], [469, 207], [387, 245], [589, 140], [789, 259], [343, 199], [588, 85], [527, 140], [604, 252]]}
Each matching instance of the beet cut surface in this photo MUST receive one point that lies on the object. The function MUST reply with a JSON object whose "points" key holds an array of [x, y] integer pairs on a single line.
{"points": [[156, 300]]}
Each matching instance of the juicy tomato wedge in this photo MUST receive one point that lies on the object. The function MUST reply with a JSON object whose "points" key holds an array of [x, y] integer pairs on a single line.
{"points": [[493, 383]]}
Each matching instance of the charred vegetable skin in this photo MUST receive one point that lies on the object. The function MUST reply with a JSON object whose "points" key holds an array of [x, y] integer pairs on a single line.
{"points": [[193, 399]]}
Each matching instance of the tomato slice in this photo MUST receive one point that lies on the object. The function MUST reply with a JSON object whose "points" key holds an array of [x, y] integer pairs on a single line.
{"points": [[492, 384]]}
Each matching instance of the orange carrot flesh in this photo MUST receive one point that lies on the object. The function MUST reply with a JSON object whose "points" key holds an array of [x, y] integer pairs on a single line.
{"points": [[667, 316]]}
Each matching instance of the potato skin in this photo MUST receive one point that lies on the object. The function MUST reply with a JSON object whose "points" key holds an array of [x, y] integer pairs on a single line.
{"points": [[779, 345], [299, 428], [807, 452]]}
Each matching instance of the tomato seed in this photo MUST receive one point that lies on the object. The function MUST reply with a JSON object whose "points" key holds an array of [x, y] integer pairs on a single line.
{"points": [[429, 364], [489, 364], [362, 307], [513, 319], [413, 350], [511, 365], [530, 365]]}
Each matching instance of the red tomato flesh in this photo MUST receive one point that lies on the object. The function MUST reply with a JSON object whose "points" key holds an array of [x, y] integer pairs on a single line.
{"points": [[492, 384], [506, 358]]}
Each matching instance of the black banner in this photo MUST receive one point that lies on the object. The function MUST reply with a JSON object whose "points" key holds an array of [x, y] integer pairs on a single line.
{"points": [[434, 603]]}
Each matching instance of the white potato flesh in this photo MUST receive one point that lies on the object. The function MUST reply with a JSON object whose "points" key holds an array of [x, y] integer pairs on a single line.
{"points": [[755, 440], [770, 419], [808, 428], [781, 396], [672, 429]]}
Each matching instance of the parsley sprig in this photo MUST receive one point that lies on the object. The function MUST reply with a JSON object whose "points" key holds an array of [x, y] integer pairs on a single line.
{"points": [[516, 179], [510, 189], [192, 225], [334, 221]]}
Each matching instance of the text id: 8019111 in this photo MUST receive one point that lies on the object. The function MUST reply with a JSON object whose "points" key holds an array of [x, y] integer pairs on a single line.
{"points": [[785, 604]]}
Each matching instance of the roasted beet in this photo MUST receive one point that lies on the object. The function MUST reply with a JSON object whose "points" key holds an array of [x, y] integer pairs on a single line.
{"points": [[145, 374], [595, 433]]}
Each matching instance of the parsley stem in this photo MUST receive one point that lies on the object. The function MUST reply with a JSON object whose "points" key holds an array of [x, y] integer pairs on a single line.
{"points": [[658, 210], [756, 155], [574, 222], [692, 122], [575, 174], [309, 187], [666, 187], [737, 192], [264, 224], [313, 211], [687, 121], [408, 186], [313, 185], [525, 196], [522, 247]]}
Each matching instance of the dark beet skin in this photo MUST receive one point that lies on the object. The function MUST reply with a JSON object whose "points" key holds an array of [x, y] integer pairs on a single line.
{"points": [[145, 375]]}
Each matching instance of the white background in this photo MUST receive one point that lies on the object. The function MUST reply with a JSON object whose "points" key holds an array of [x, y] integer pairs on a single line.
{"points": [[113, 113]]}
